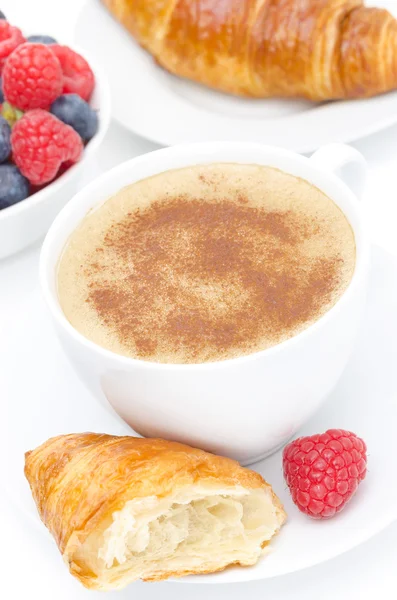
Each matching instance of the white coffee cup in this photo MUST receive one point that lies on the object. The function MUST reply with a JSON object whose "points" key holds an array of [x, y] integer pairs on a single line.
{"points": [[245, 407]]}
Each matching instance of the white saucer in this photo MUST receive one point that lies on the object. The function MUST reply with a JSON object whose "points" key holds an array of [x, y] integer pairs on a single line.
{"points": [[45, 398], [168, 110]]}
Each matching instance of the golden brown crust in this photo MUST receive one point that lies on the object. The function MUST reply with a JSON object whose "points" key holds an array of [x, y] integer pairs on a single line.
{"points": [[316, 49], [79, 480]]}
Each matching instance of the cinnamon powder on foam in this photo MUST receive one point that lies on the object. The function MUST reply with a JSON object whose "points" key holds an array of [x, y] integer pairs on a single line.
{"points": [[193, 279]]}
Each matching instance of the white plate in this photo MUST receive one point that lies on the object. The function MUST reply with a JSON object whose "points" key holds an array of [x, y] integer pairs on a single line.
{"points": [[165, 109], [45, 398]]}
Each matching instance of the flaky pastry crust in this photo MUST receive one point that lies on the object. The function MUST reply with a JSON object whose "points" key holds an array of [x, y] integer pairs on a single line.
{"points": [[79, 481], [315, 49]]}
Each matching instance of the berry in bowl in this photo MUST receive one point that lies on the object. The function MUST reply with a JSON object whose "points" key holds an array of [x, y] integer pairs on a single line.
{"points": [[54, 113]]}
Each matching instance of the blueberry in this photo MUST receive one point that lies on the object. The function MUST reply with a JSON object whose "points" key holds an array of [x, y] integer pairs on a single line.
{"points": [[5, 142], [14, 187], [74, 111], [41, 39], [1, 91], [2, 15]]}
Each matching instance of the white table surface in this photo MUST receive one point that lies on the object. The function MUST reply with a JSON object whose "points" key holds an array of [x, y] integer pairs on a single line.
{"points": [[366, 572]]}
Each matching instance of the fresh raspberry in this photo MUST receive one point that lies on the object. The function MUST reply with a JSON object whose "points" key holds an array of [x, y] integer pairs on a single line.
{"points": [[78, 77], [41, 143], [323, 471], [10, 38], [32, 77]]}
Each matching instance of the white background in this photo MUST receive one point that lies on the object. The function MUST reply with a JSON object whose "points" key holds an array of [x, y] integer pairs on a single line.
{"points": [[29, 572]]}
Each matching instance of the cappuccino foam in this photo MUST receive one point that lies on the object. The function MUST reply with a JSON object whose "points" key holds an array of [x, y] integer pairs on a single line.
{"points": [[205, 263]]}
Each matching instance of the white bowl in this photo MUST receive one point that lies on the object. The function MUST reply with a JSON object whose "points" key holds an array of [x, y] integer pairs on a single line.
{"points": [[245, 407], [27, 221]]}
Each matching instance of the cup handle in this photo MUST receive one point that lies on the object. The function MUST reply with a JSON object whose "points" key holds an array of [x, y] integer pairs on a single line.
{"points": [[346, 162]]}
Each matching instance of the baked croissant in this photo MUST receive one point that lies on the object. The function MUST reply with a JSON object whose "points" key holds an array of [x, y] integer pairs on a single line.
{"points": [[123, 508], [315, 49]]}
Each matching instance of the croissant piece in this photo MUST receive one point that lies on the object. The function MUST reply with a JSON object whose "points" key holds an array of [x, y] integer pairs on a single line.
{"points": [[315, 49], [124, 508]]}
